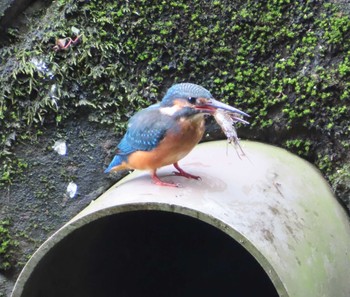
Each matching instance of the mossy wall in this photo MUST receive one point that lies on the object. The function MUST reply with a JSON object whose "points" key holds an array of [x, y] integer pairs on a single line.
{"points": [[286, 63]]}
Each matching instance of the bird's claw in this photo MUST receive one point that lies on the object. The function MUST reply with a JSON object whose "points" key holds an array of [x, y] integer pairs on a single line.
{"points": [[181, 172], [159, 182], [187, 175], [165, 184]]}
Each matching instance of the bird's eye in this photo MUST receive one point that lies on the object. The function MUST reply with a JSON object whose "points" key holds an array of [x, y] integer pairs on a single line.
{"points": [[192, 100]]}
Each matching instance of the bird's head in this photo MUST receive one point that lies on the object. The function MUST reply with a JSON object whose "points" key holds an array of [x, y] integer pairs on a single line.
{"points": [[195, 99]]}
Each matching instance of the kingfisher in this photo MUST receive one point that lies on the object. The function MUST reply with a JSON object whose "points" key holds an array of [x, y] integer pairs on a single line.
{"points": [[164, 133]]}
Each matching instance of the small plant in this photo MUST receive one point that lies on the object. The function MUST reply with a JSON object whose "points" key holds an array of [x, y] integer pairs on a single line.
{"points": [[7, 246], [299, 146], [341, 179]]}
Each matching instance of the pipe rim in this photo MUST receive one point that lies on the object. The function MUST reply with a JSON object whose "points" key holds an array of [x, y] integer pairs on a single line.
{"points": [[74, 225]]}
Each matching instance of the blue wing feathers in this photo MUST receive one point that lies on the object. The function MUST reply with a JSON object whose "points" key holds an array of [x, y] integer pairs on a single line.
{"points": [[140, 140], [145, 130]]}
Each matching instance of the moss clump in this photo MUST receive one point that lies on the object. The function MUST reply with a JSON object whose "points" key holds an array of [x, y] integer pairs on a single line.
{"points": [[302, 147], [7, 246], [284, 62], [341, 183]]}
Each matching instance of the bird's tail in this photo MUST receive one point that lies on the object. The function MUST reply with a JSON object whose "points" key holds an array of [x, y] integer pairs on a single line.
{"points": [[116, 164]]}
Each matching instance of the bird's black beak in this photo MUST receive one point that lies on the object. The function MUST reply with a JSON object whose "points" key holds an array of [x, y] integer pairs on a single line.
{"points": [[211, 105]]}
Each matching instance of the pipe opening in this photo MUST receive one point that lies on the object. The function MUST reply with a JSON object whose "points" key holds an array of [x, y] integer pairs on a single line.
{"points": [[148, 253]]}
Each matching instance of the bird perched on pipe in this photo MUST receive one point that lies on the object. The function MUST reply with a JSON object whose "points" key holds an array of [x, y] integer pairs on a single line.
{"points": [[164, 133]]}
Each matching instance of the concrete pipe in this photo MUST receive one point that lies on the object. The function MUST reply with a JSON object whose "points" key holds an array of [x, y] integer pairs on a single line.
{"points": [[264, 224]]}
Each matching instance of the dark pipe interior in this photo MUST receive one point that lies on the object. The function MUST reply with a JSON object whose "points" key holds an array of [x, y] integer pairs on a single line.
{"points": [[148, 253]]}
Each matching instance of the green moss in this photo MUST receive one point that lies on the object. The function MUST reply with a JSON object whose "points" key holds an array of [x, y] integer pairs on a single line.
{"points": [[7, 246], [300, 146], [341, 181]]}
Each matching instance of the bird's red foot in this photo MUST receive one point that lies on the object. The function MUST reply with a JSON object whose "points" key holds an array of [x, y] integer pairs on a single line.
{"points": [[158, 182], [183, 173]]}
